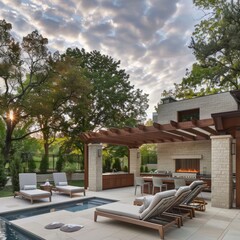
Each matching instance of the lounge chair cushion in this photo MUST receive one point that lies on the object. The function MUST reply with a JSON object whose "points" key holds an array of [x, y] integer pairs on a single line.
{"points": [[35, 193], [195, 183], [182, 190], [29, 187], [121, 209], [62, 184], [156, 199], [146, 202], [70, 188]]}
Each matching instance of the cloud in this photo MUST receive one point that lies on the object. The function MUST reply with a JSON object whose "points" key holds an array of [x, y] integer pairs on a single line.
{"points": [[149, 37]]}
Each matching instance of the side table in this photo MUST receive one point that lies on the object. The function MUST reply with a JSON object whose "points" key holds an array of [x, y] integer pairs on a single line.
{"points": [[46, 188]]}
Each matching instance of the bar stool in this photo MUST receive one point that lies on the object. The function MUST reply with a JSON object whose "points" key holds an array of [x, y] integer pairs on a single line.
{"points": [[157, 182], [139, 181], [178, 182]]}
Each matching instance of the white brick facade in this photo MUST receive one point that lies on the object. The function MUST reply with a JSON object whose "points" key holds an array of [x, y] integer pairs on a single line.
{"points": [[221, 172], [221, 102], [135, 161], [95, 167]]}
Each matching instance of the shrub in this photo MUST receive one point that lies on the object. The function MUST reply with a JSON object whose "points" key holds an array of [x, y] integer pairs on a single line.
{"points": [[141, 168], [44, 165], [125, 169], [107, 164], [3, 176], [59, 163], [31, 164], [15, 169], [70, 168], [146, 169], [117, 165]]}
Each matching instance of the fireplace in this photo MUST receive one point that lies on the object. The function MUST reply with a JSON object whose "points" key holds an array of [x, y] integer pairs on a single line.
{"points": [[187, 165]]}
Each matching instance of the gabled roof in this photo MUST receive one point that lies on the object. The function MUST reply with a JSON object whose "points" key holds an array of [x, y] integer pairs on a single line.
{"points": [[158, 133]]}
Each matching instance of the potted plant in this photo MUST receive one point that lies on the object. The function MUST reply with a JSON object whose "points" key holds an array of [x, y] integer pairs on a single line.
{"points": [[69, 169]]}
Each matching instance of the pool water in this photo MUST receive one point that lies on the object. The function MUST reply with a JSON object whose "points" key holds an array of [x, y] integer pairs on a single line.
{"points": [[9, 231]]}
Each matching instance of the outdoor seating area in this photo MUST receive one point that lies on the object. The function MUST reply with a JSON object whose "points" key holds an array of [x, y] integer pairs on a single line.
{"points": [[214, 223], [28, 187]]}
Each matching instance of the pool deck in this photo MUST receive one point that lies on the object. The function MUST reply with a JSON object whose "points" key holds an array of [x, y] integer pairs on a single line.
{"points": [[215, 223]]}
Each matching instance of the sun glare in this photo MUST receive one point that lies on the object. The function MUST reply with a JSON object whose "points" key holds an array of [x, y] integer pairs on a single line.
{"points": [[11, 115]]}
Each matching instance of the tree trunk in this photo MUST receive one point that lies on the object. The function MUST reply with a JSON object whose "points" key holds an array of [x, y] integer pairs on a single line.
{"points": [[8, 141]]}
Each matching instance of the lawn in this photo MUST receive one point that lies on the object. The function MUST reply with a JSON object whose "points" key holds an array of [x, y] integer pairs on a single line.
{"points": [[7, 190]]}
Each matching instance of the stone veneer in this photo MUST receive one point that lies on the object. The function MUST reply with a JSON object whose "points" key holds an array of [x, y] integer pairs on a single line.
{"points": [[135, 161], [95, 167], [215, 103], [221, 171], [166, 151]]}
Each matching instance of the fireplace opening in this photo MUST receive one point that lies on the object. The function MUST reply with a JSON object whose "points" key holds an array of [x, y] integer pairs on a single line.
{"points": [[187, 165]]}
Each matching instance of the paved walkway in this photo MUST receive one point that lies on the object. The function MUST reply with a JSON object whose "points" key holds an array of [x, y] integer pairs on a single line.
{"points": [[213, 224]]}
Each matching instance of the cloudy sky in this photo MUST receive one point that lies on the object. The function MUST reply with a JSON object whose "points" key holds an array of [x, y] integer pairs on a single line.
{"points": [[149, 37]]}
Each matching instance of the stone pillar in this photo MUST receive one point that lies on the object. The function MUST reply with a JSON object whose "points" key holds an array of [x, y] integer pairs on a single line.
{"points": [[221, 171], [135, 161], [95, 167]]}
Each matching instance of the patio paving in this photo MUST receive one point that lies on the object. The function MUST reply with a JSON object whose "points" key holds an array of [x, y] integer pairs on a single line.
{"points": [[215, 223]]}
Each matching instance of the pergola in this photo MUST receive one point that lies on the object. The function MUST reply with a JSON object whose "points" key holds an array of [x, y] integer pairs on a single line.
{"points": [[227, 123], [158, 133]]}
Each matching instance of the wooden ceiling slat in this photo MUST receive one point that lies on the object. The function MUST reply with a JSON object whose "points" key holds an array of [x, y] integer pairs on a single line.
{"points": [[210, 130], [186, 135], [198, 133], [174, 131]]}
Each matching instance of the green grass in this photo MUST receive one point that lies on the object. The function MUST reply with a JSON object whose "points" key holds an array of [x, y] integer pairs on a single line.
{"points": [[7, 190]]}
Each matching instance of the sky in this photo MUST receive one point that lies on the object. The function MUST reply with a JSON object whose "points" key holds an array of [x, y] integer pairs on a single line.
{"points": [[149, 37]]}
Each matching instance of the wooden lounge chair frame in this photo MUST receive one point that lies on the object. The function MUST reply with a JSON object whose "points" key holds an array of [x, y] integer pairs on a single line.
{"points": [[36, 194], [33, 197], [174, 210], [154, 220], [193, 202], [61, 177]]}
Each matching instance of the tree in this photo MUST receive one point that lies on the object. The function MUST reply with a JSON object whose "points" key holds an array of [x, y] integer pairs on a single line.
{"points": [[16, 60], [52, 102], [215, 44], [114, 101]]}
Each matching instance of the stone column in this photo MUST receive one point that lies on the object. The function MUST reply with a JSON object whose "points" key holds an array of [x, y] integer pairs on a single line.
{"points": [[95, 167], [135, 161], [221, 171]]}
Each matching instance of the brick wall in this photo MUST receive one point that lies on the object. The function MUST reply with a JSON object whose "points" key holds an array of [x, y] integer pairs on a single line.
{"points": [[221, 172]]}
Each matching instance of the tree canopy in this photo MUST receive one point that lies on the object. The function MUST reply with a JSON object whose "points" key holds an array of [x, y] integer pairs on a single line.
{"points": [[63, 94], [216, 46]]}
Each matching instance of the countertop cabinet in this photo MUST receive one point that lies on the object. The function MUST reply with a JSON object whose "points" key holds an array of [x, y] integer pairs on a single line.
{"points": [[115, 180]]}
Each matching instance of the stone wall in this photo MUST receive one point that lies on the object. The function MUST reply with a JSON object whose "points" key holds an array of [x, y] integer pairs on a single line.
{"points": [[215, 103], [221, 172], [167, 150]]}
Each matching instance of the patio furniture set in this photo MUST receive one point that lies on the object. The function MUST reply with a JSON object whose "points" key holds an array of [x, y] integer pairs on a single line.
{"points": [[28, 187], [159, 211]]}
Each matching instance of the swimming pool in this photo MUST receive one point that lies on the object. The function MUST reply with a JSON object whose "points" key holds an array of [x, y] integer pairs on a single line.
{"points": [[9, 231]]}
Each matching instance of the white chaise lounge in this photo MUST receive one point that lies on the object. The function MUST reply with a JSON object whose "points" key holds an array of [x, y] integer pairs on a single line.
{"points": [[28, 188], [147, 215], [61, 185]]}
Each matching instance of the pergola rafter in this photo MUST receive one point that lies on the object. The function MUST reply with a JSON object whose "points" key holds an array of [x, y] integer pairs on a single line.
{"points": [[158, 133]]}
